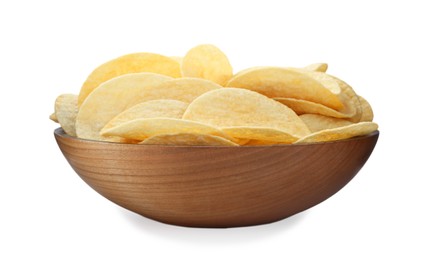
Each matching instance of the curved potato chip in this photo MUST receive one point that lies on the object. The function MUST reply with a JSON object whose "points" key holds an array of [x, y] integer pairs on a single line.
{"points": [[66, 111], [53, 117], [262, 143], [350, 100], [261, 134], [208, 62], [367, 113], [339, 133], [321, 67], [247, 70], [352, 108], [179, 59], [318, 122], [183, 89], [236, 107], [307, 107], [111, 98], [326, 80], [140, 129], [149, 109], [131, 63], [188, 139], [285, 82]]}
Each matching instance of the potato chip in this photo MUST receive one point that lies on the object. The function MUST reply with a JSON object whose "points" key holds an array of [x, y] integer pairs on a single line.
{"points": [[247, 70], [140, 129], [326, 80], [131, 63], [188, 139], [241, 108], [339, 133], [183, 89], [287, 83], [367, 113], [352, 109], [208, 62], [53, 117], [155, 108], [321, 67], [111, 98], [66, 111], [307, 107], [350, 100], [261, 134], [179, 59], [262, 143], [318, 122]]}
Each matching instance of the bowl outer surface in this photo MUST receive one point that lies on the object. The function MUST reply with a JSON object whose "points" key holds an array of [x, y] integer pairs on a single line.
{"points": [[216, 186]]}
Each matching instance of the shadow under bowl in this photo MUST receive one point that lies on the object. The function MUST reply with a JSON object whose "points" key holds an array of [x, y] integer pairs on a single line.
{"points": [[208, 186]]}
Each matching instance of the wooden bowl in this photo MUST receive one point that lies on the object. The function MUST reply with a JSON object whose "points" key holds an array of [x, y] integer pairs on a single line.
{"points": [[216, 186]]}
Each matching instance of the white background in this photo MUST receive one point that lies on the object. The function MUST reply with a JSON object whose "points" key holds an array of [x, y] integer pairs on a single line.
{"points": [[47, 48]]}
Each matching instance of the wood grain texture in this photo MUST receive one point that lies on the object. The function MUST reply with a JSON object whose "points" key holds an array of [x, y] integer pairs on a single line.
{"points": [[216, 186]]}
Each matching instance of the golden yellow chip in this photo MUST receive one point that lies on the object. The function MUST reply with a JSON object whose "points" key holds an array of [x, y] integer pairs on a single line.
{"points": [[326, 80], [242, 108], [183, 89], [53, 117], [339, 133], [140, 129], [287, 83], [352, 109], [367, 113], [155, 108], [179, 59], [262, 143], [318, 122], [66, 111], [260, 134], [111, 98], [321, 67], [307, 107], [350, 100], [188, 139], [131, 63], [208, 62]]}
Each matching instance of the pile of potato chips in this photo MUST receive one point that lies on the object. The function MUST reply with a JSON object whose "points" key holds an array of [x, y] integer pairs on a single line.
{"points": [[152, 99]]}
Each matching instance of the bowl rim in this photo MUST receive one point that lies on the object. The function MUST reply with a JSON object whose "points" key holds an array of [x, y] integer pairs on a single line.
{"points": [[62, 134]]}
